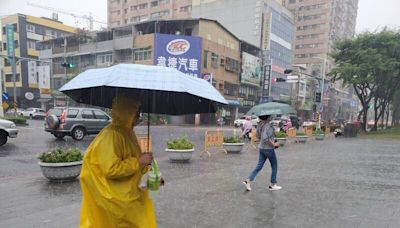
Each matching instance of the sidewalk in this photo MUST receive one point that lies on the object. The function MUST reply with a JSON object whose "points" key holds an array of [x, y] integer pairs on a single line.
{"points": [[333, 183]]}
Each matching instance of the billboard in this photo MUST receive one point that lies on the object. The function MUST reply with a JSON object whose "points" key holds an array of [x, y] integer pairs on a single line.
{"points": [[266, 31], [251, 69], [180, 52], [32, 74], [10, 40], [44, 79]]}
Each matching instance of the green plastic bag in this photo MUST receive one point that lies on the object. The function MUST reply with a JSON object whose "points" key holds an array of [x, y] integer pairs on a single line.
{"points": [[153, 177]]}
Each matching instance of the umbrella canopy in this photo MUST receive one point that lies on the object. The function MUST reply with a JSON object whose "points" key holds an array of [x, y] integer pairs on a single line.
{"points": [[271, 108], [161, 90]]}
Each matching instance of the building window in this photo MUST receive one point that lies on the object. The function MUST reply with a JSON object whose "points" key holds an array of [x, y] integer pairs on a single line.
{"points": [[230, 89], [125, 11], [154, 3], [186, 8], [104, 59], [116, 1], [205, 59], [159, 14], [139, 18], [292, 1], [126, 21], [32, 44], [30, 28], [231, 65], [9, 78], [214, 60], [142, 54]]}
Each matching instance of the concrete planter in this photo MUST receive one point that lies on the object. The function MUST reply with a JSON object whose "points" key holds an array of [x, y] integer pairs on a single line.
{"points": [[233, 147], [179, 155], [60, 172], [281, 141], [301, 139], [319, 137]]}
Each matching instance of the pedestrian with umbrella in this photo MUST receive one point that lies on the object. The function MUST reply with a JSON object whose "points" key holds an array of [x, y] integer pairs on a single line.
{"points": [[112, 167], [266, 134], [113, 164]]}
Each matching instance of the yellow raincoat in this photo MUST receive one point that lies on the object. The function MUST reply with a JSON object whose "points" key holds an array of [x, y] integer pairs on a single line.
{"points": [[111, 174]]}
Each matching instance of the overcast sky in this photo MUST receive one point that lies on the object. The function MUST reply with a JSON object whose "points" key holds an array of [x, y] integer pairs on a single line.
{"points": [[372, 14]]}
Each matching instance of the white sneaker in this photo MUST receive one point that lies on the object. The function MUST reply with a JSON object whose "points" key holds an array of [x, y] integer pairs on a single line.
{"points": [[274, 187], [247, 184]]}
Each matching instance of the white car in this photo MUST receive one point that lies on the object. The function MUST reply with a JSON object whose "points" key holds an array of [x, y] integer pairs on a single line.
{"points": [[11, 111], [34, 113], [7, 130], [239, 122], [309, 123]]}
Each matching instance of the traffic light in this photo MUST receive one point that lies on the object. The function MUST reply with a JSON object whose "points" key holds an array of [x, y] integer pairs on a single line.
{"points": [[288, 71], [318, 97], [68, 65]]}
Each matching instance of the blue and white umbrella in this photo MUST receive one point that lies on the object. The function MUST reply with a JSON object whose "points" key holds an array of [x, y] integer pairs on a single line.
{"points": [[160, 90]]}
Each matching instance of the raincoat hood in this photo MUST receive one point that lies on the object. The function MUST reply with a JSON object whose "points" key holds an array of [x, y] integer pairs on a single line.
{"points": [[124, 111]]}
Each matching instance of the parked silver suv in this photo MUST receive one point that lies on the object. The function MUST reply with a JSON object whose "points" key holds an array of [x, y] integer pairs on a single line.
{"points": [[75, 122]]}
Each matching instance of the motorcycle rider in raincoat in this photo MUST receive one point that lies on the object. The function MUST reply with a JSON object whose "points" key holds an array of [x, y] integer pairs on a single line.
{"points": [[112, 169]]}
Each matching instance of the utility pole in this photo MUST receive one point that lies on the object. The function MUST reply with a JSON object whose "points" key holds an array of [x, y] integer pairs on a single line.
{"points": [[65, 60], [322, 88], [1, 93]]}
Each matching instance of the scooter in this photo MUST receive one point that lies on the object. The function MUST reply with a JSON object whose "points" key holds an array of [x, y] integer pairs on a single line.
{"points": [[338, 132], [247, 136]]}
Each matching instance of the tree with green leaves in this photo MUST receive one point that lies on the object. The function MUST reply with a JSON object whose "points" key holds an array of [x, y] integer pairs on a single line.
{"points": [[370, 63]]}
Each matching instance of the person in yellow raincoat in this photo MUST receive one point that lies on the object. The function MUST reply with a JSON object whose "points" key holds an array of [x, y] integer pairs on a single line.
{"points": [[112, 168]]}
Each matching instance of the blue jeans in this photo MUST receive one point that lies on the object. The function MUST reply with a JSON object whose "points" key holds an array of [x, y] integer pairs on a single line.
{"points": [[264, 154]]}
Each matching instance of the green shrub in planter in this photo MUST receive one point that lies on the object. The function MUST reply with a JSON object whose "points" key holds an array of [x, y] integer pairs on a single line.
{"points": [[61, 155], [16, 119], [319, 132], [280, 134], [233, 139], [323, 127], [182, 143], [301, 134]]}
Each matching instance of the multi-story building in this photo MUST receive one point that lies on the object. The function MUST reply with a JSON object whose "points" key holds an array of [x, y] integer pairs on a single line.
{"points": [[319, 24], [263, 23], [123, 12], [28, 30], [210, 52]]}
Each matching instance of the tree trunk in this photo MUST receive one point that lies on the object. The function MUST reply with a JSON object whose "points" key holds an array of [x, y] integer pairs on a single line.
{"points": [[387, 116], [376, 117], [364, 122], [383, 117]]}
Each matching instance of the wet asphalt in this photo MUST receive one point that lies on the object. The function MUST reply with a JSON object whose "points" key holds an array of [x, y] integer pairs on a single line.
{"points": [[331, 183]]}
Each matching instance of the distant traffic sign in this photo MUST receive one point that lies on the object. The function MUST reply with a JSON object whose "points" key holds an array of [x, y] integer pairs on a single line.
{"points": [[5, 96]]}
